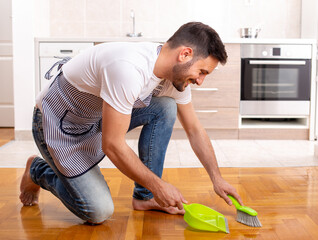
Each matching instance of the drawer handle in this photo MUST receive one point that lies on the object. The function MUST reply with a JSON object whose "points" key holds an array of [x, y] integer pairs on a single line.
{"points": [[206, 111], [205, 89], [66, 51]]}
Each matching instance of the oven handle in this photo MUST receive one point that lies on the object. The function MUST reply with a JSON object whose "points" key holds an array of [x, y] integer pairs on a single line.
{"points": [[273, 62]]}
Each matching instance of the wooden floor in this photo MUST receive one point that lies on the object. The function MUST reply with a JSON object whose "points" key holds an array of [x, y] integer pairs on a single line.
{"points": [[285, 198], [6, 135]]}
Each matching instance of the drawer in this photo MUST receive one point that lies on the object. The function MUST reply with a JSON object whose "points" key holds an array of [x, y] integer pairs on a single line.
{"points": [[220, 89], [225, 96], [6, 83], [228, 75], [218, 118], [63, 49]]}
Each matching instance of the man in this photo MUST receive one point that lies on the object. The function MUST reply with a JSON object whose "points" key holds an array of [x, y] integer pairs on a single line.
{"points": [[100, 95]]}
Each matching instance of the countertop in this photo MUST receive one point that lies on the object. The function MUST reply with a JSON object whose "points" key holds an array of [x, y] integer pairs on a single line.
{"points": [[149, 39]]}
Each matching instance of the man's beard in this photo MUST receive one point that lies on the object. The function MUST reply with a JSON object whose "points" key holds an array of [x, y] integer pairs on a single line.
{"points": [[179, 75]]}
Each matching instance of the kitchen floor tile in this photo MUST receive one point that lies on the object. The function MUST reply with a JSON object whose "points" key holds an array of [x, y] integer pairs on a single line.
{"points": [[229, 153]]}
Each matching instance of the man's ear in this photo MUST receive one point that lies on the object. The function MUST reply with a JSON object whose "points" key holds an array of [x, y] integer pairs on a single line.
{"points": [[185, 54]]}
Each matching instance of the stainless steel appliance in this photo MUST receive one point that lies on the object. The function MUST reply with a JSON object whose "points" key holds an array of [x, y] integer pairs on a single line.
{"points": [[275, 79]]}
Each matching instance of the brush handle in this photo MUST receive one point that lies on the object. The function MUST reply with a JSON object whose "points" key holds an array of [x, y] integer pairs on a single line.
{"points": [[239, 207]]}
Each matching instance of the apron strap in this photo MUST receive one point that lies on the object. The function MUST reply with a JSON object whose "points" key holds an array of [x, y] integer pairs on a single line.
{"points": [[60, 63]]}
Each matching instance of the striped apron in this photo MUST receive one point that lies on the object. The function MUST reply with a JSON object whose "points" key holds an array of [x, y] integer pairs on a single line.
{"points": [[72, 122], [72, 127]]}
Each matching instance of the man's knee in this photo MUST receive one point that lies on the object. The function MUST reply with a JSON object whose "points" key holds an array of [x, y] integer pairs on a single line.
{"points": [[168, 108], [100, 212]]}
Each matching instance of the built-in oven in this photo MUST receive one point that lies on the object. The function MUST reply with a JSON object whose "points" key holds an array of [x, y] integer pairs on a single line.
{"points": [[275, 79]]}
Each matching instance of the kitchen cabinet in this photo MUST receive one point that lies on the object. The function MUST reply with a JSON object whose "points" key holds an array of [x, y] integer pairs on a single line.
{"points": [[216, 101], [6, 90], [5, 21], [6, 66]]}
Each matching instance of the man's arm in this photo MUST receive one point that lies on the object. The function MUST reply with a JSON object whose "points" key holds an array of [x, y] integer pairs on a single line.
{"points": [[114, 129], [201, 145]]}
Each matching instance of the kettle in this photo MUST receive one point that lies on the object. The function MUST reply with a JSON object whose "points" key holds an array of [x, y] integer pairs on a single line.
{"points": [[249, 32]]}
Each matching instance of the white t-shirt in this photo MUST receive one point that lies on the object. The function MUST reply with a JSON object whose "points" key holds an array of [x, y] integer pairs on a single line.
{"points": [[119, 73]]}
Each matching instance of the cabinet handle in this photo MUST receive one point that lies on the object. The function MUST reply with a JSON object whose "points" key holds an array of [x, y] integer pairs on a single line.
{"points": [[205, 89], [66, 51], [206, 111]]}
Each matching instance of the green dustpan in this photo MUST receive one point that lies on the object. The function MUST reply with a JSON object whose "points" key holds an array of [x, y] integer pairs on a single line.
{"points": [[203, 218]]}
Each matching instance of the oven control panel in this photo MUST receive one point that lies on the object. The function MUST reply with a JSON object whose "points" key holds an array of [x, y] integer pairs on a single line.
{"points": [[287, 51]]}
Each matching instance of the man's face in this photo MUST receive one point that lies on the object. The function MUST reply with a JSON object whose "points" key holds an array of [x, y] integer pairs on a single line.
{"points": [[193, 71]]}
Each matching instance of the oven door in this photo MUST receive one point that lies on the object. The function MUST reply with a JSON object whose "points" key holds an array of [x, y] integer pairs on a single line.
{"points": [[275, 79]]}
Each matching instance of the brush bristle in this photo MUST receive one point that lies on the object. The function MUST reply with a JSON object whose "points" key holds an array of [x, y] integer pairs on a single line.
{"points": [[247, 219]]}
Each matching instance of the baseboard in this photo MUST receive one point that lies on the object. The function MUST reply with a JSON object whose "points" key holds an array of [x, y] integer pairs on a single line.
{"points": [[274, 134]]}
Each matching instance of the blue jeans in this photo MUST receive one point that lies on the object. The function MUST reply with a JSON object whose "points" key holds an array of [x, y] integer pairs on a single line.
{"points": [[157, 120], [88, 195]]}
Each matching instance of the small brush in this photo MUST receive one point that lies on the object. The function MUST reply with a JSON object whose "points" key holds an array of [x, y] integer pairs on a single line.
{"points": [[245, 215]]}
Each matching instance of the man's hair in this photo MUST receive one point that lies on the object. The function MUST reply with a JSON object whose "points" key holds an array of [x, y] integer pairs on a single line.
{"points": [[203, 39]]}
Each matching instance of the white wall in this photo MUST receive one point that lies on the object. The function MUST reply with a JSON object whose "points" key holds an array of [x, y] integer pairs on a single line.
{"points": [[309, 19], [41, 21], [29, 19], [23, 62], [161, 18]]}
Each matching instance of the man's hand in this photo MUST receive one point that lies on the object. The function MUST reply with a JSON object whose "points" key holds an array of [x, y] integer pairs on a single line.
{"points": [[166, 195], [223, 188]]}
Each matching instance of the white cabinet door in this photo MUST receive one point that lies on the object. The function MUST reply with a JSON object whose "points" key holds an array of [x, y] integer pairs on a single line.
{"points": [[6, 86], [6, 92], [6, 63], [5, 21]]}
